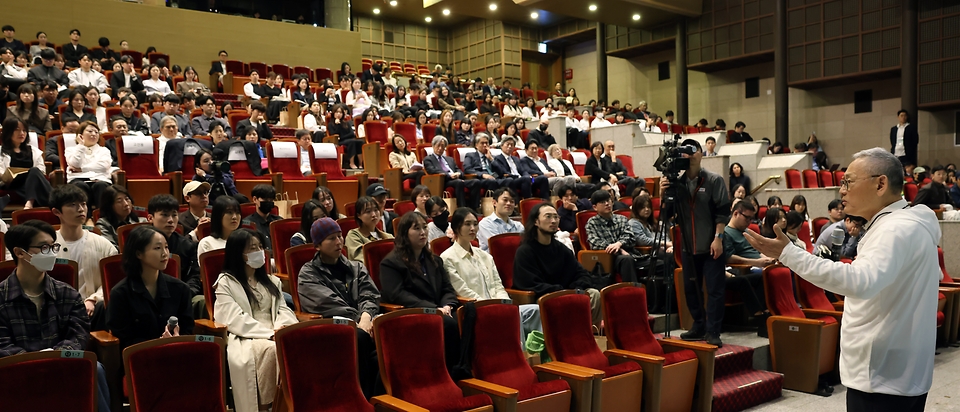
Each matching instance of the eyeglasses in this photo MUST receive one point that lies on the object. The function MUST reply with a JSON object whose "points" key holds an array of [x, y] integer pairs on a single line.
{"points": [[44, 249], [845, 183]]}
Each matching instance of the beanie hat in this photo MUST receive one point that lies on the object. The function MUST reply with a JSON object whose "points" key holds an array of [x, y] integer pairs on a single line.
{"points": [[322, 228]]}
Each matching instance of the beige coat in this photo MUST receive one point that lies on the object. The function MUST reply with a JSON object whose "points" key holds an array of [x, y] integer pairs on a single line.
{"points": [[233, 309]]}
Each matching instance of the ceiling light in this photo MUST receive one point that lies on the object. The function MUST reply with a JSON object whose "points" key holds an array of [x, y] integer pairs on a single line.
{"points": [[428, 19], [376, 11], [593, 7], [493, 6], [534, 15], [636, 17], [393, 3], [446, 12]]}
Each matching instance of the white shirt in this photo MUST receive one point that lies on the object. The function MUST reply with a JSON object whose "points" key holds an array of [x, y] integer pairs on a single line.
{"points": [[310, 123], [492, 225], [899, 150], [13, 71], [359, 101], [160, 87], [248, 91], [305, 161], [210, 243], [889, 332], [558, 168], [79, 77], [94, 163], [87, 252], [529, 114], [599, 121], [473, 276], [512, 112], [163, 148]]}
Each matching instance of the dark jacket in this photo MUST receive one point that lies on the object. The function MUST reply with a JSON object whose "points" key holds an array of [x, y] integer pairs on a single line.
{"points": [[910, 141], [368, 75], [41, 123], [531, 167], [568, 218], [137, 124], [71, 54], [415, 290], [388, 216], [955, 195], [183, 124], [543, 139], [200, 125], [101, 54], [173, 153], [250, 149], [503, 168], [263, 130], [432, 165], [39, 73], [598, 169], [217, 67], [933, 195], [190, 223], [320, 293], [740, 137], [186, 248], [133, 316], [710, 206], [473, 166], [344, 130], [544, 269], [117, 81]]}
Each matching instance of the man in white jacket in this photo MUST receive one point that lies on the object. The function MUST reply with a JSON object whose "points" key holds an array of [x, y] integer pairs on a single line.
{"points": [[888, 335]]}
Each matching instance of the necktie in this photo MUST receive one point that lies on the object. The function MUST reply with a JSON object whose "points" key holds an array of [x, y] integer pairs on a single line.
{"points": [[443, 164], [513, 166]]}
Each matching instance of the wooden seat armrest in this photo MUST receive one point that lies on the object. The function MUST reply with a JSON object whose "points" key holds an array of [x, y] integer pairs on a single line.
{"points": [[58, 177], [209, 327], [562, 369], [389, 307], [468, 177], [799, 321], [121, 178], [645, 249], [436, 183], [463, 301], [476, 386], [335, 139], [596, 373], [389, 403], [949, 285], [741, 266], [107, 348], [673, 345], [620, 356], [103, 339], [838, 305], [585, 383], [522, 297], [303, 316], [818, 313]]}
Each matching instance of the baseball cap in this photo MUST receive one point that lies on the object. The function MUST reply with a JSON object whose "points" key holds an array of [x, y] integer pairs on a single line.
{"points": [[192, 186], [376, 189]]}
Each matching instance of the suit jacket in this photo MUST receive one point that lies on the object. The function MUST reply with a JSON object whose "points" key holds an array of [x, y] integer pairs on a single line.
{"points": [[543, 140], [250, 149], [137, 124], [502, 167], [529, 166], [117, 81], [101, 54], [183, 124], [368, 75], [910, 141], [173, 154], [71, 54], [432, 165], [388, 216], [472, 165], [189, 222], [402, 286], [263, 130], [217, 67]]}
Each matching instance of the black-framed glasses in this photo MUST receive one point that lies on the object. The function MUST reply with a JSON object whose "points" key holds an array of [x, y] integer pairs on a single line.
{"points": [[44, 249], [845, 183]]}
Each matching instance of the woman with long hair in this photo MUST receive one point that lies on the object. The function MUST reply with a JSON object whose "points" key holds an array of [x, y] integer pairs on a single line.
{"points": [[323, 195], [401, 100], [738, 192], [379, 100], [146, 298], [88, 163], [28, 110], [775, 216], [571, 95], [315, 121], [445, 128], [224, 220], [643, 224], [487, 105], [76, 112], [738, 177], [369, 115], [415, 278], [774, 201], [191, 83], [154, 85], [367, 216], [492, 127], [419, 195], [357, 98], [250, 304], [344, 71], [27, 172], [512, 109], [93, 102], [402, 158], [203, 165], [465, 132], [116, 209], [511, 130], [128, 110], [302, 92], [421, 121], [312, 210], [340, 125]]}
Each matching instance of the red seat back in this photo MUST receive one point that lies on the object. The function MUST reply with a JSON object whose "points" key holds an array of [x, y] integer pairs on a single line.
{"points": [[826, 178], [567, 329], [284, 157], [137, 159], [838, 176], [75, 372], [280, 233], [43, 214], [526, 206], [376, 132], [440, 245], [325, 158], [503, 248], [627, 161], [582, 218], [794, 181], [943, 268], [818, 224], [497, 354], [149, 366], [625, 320], [804, 235], [373, 253], [294, 258], [812, 296], [910, 190], [810, 179], [403, 207], [408, 131], [778, 289], [322, 73]]}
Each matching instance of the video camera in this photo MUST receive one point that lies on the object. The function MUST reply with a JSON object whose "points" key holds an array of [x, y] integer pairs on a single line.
{"points": [[219, 166], [671, 162]]}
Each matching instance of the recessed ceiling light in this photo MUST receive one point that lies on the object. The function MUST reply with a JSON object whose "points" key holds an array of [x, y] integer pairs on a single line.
{"points": [[428, 19], [593, 7], [534, 15], [446, 12], [493, 6], [636, 17], [393, 3], [376, 11]]}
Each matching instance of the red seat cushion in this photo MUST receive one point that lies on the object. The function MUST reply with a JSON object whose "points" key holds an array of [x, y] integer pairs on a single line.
{"points": [[678, 356], [542, 388], [619, 369], [458, 405]]}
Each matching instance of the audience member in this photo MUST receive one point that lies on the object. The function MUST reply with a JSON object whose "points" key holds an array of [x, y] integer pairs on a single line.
{"points": [[367, 218], [88, 163], [372, 74], [28, 110], [904, 139], [402, 158], [155, 85], [835, 211], [249, 303], [135, 123], [852, 227], [21, 166], [323, 195], [438, 163], [333, 286], [200, 125], [570, 205], [599, 168], [263, 197], [738, 177], [191, 83], [439, 225], [507, 165], [171, 107], [48, 96], [87, 77], [116, 209], [73, 51], [224, 185], [738, 135], [253, 89], [219, 67], [775, 216], [311, 212], [612, 233], [645, 228], [710, 147], [934, 195], [737, 251], [794, 223], [339, 125], [224, 220], [11, 75], [9, 41], [197, 196], [128, 77], [537, 166], [47, 71], [505, 201]]}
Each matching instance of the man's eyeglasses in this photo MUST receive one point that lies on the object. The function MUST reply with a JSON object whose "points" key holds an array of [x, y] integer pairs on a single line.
{"points": [[845, 183], [44, 249]]}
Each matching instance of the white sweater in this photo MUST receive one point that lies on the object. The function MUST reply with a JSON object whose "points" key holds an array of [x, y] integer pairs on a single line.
{"points": [[210, 243], [87, 252], [889, 332], [94, 163], [79, 77]]}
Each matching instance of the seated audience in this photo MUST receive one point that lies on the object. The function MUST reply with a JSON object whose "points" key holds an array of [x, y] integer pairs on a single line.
{"points": [[279, 96], [250, 304], [28, 110], [835, 211], [135, 123], [48, 71], [775, 216], [104, 55], [543, 265], [73, 50], [438, 163], [88, 163], [413, 277], [538, 166], [357, 98], [367, 217], [482, 164], [116, 209], [612, 233], [162, 213], [738, 177], [200, 125], [323, 195], [507, 165], [774, 201], [710, 147], [312, 210], [48, 96], [171, 107], [203, 162], [263, 197], [127, 77], [645, 228], [191, 83], [224, 220], [21, 166], [146, 298], [600, 169], [737, 251], [315, 121], [85, 76], [339, 125], [934, 195], [570, 205], [505, 201], [439, 225], [541, 135], [253, 89], [380, 194], [794, 222], [333, 286], [154, 85], [304, 141], [738, 135], [402, 158], [473, 273], [852, 227]]}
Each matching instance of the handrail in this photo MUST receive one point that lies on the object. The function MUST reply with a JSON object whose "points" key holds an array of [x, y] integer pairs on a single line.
{"points": [[756, 189]]}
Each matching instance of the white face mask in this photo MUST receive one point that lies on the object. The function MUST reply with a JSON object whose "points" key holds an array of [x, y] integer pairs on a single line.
{"points": [[256, 259], [44, 262]]}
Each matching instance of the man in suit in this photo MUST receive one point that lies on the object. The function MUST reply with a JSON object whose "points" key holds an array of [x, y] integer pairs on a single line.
{"points": [[616, 166], [257, 111], [200, 125], [126, 78], [490, 88], [171, 107], [73, 50], [380, 194], [481, 164], [535, 166], [541, 135], [904, 139], [437, 163], [373, 73], [219, 67], [511, 166]]}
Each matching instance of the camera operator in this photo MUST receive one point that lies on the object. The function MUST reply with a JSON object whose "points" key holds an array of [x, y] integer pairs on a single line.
{"points": [[703, 209]]}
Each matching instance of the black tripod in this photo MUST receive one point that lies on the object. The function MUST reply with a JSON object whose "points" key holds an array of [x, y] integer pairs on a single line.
{"points": [[668, 212]]}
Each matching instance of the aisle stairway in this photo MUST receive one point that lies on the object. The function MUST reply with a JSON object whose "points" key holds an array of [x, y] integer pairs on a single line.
{"points": [[737, 385]]}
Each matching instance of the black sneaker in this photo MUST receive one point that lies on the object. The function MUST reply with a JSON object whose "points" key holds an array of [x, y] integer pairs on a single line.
{"points": [[714, 339], [692, 335]]}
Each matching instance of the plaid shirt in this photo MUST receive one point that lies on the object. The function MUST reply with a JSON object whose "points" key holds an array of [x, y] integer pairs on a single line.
{"points": [[63, 325], [603, 232]]}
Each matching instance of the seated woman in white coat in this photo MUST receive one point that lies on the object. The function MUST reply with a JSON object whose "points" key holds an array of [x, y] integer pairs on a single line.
{"points": [[88, 163], [249, 302]]}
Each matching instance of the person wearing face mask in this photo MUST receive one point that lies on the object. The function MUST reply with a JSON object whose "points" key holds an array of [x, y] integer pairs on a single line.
{"points": [[541, 135], [367, 217], [249, 302], [439, 225], [263, 197], [141, 303]]}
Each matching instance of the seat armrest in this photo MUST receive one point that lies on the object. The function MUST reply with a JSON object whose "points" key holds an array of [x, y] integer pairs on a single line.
{"points": [[503, 398], [103, 339], [522, 297], [389, 307], [561, 369], [949, 285], [335, 139], [209, 327], [620, 356], [389, 403], [303, 316], [673, 345], [817, 313], [584, 383], [58, 178], [121, 178], [435, 183], [107, 348], [463, 301], [798, 321]]}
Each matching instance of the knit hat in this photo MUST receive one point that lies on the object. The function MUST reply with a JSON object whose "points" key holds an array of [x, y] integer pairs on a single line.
{"points": [[322, 228]]}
